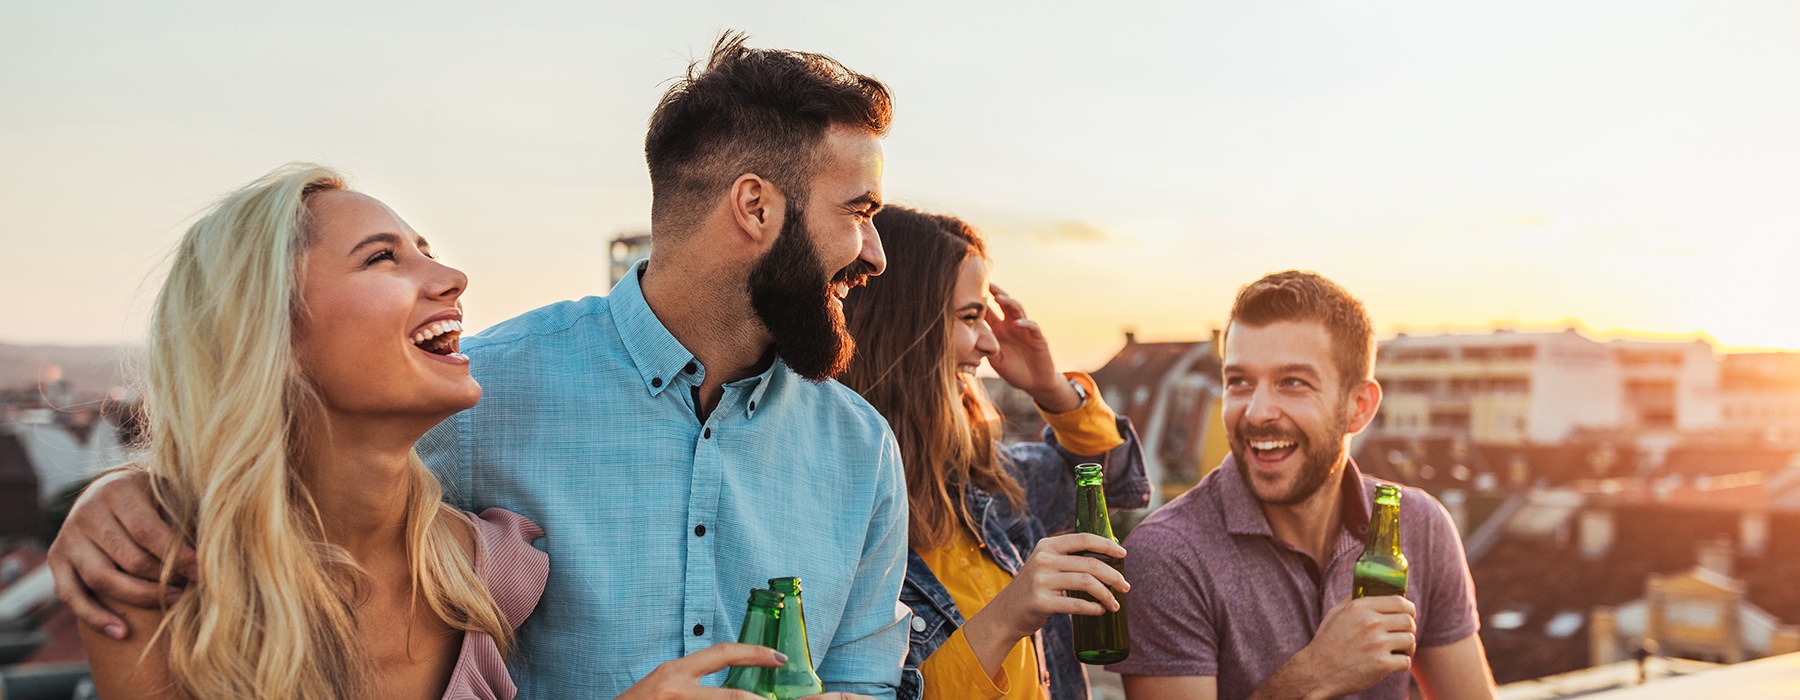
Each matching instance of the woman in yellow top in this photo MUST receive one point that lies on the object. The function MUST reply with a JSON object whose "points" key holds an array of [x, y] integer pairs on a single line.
{"points": [[986, 585]]}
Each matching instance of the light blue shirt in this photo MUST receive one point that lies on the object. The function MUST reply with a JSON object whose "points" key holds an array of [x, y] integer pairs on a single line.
{"points": [[658, 524]]}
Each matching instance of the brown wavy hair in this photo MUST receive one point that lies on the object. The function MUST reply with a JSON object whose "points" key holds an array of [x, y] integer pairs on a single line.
{"points": [[905, 366], [762, 111]]}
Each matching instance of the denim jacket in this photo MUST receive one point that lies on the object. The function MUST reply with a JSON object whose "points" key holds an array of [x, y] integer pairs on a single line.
{"points": [[1047, 473]]}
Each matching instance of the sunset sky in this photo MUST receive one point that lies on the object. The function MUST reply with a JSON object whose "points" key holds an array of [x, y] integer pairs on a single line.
{"points": [[1626, 166]]}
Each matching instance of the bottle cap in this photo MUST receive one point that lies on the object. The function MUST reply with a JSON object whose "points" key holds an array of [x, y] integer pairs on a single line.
{"points": [[766, 598]]}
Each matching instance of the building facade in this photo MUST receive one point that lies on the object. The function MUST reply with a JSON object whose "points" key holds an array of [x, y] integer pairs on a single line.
{"points": [[1505, 387], [1759, 396]]}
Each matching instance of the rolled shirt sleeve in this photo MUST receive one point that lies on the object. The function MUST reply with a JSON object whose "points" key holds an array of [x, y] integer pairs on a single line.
{"points": [[1092, 428]]}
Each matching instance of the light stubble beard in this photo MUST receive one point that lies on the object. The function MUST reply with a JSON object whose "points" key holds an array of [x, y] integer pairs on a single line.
{"points": [[1321, 458]]}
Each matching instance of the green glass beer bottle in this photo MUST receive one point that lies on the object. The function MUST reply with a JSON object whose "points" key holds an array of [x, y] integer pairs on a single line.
{"points": [[1099, 639], [797, 679], [1381, 570], [761, 623]]}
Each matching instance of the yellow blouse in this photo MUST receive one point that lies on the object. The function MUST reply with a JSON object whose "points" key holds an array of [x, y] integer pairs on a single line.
{"points": [[952, 672], [972, 578]]}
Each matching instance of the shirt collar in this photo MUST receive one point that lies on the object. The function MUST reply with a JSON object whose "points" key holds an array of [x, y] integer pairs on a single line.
{"points": [[661, 360], [1244, 515], [762, 386], [659, 357]]}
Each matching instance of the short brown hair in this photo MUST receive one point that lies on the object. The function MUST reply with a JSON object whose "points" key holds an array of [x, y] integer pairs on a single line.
{"points": [[762, 111], [1297, 295]]}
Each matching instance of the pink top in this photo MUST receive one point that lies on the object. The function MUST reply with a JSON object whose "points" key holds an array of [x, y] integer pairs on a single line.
{"points": [[514, 572]]}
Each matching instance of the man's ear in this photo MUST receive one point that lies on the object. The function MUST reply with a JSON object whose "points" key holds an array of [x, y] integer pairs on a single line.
{"points": [[1365, 402], [757, 207]]}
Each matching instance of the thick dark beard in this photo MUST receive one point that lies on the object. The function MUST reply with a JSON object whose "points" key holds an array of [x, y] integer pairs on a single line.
{"points": [[1323, 452], [792, 297]]}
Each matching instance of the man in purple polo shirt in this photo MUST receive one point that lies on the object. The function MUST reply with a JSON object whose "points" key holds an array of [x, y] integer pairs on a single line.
{"points": [[1242, 585]]}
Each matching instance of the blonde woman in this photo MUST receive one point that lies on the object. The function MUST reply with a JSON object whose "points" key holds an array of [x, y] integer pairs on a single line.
{"points": [[304, 340]]}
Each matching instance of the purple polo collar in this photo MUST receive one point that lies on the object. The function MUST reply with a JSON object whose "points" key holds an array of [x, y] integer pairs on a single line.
{"points": [[1244, 516]]}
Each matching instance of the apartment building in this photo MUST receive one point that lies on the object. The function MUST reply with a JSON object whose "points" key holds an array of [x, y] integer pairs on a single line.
{"points": [[1500, 387]]}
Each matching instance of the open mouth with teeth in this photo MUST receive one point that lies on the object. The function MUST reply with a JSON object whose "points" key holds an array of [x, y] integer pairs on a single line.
{"points": [[841, 288], [439, 338], [1272, 450], [856, 275]]}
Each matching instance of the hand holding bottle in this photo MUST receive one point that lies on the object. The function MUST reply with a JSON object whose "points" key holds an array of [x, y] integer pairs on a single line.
{"points": [[1360, 642], [1041, 589], [680, 679]]}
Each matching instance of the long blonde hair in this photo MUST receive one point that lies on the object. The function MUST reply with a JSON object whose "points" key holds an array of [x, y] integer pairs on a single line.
{"points": [[274, 614]]}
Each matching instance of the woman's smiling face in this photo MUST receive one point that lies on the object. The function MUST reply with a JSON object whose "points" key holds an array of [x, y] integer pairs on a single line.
{"points": [[380, 318]]}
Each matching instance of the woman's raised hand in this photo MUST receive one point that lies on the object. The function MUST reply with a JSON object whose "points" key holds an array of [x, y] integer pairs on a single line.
{"points": [[1024, 359]]}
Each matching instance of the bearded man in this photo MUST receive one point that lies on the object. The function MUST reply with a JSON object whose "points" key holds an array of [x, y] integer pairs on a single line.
{"points": [[1243, 583], [679, 439]]}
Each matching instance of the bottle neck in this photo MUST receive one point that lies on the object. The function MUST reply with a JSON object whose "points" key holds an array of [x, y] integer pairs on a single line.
{"points": [[1090, 510], [1384, 529], [760, 626], [791, 635]]}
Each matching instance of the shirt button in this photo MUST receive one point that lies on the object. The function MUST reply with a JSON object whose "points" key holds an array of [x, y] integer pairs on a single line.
{"points": [[706, 434], [699, 630], [691, 368], [656, 382], [699, 530], [918, 624], [752, 405]]}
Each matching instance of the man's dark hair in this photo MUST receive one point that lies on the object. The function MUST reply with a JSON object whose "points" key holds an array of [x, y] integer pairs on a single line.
{"points": [[1295, 295], [762, 111]]}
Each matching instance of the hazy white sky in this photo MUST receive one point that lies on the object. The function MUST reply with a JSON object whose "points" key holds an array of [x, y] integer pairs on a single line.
{"points": [[1632, 165]]}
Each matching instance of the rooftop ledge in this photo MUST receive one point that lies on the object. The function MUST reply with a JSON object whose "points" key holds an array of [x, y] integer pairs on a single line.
{"points": [[1670, 679]]}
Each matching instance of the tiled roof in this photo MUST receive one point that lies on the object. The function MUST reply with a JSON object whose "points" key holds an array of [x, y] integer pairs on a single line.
{"points": [[1692, 460], [1543, 578], [1432, 462], [1144, 365], [1133, 382]]}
